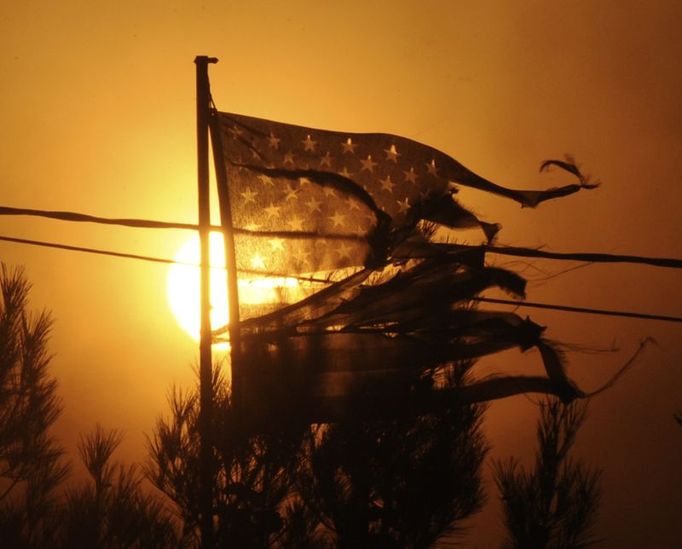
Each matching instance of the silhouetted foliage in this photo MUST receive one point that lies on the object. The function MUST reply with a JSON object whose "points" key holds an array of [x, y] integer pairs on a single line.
{"points": [[30, 460], [252, 472], [555, 504], [390, 483], [395, 482], [111, 510]]}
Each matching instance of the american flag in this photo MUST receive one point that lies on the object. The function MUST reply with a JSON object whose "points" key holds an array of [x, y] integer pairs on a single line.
{"points": [[305, 200]]}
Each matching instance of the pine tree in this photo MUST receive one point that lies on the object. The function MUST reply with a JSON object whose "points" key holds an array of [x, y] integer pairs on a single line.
{"points": [[396, 482], [111, 509], [555, 504], [359, 483], [31, 465]]}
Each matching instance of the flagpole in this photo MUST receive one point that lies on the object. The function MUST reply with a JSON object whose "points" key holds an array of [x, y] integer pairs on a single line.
{"points": [[205, 369], [237, 381]]}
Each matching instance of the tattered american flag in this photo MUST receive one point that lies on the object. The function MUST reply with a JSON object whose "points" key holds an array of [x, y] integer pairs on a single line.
{"points": [[305, 200], [314, 203]]}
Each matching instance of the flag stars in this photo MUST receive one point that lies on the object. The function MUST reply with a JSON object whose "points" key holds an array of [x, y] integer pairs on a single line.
{"points": [[387, 184], [403, 205], [410, 175], [345, 173], [272, 210], [313, 205], [326, 160], [431, 167], [273, 141], [266, 179], [368, 164], [359, 228], [291, 193], [338, 219], [249, 196], [289, 158], [371, 219], [353, 203], [295, 223], [349, 146], [235, 131], [392, 154], [343, 250], [303, 256], [309, 143], [257, 261], [277, 244], [329, 192]]}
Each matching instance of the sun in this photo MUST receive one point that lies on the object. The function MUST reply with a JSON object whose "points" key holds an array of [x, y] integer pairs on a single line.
{"points": [[184, 280], [183, 286]]}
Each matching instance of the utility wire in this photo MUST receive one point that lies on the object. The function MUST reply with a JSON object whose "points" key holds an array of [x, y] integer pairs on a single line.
{"points": [[589, 257], [85, 218], [570, 309], [500, 250], [98, 251], [566, 308], [88, 250]]}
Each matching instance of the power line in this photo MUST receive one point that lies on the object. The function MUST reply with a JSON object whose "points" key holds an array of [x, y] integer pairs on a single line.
{"points": [[566, 308], [500, 250], [87, 250], [152, 259], [577, 256], [585, 310], [86, 218]]}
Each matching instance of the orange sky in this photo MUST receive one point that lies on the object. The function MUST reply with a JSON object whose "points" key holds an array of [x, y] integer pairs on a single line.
{"points": [[97, 115]]}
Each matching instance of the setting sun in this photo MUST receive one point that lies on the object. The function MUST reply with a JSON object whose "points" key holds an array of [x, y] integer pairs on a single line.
{"points": [[183, 285]]}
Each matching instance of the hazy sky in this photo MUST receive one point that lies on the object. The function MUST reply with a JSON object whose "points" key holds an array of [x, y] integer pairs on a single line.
{"points": [[97, 115]]}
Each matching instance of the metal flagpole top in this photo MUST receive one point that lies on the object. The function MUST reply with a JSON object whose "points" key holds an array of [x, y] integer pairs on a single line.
{"points": [[204, 59]]}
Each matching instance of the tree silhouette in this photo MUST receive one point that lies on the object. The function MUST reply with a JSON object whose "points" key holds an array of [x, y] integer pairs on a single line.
{"points": [[396, 482], [283, 483], [555, 504], [111, 510], [253, 471], [31, 464]]}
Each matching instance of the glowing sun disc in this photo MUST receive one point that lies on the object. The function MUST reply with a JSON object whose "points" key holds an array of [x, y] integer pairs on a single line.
{"points": [[183, 285], [184, 279]]}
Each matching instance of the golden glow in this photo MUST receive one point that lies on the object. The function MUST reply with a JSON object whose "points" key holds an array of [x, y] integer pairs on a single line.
{"points": [[183, 286], [184, 280]]}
